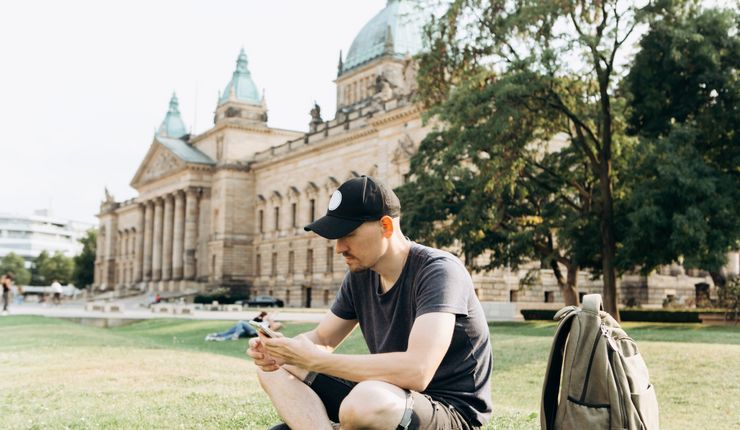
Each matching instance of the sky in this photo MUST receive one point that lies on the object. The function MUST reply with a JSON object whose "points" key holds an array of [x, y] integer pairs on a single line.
{"points": [[84, 84]]}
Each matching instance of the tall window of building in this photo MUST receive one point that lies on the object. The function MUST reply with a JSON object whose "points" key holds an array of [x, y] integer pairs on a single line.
{"points": [[261, 220], [273, 264], [549, 296], [513, 295], [309, 261], [287, 297], [258, 265], [291, 262], [277, 218], [329, 259], [293, 220], [326, 297], [312, 210]]}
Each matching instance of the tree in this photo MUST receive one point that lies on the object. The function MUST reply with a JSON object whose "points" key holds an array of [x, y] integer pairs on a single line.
{"points": [[15, 264], [58, 267], [37, 278], [84, 271], [506, 78], [684, 203]]}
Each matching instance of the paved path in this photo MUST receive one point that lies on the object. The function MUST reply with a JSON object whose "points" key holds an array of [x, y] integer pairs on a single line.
{"points": [[135, 312]]}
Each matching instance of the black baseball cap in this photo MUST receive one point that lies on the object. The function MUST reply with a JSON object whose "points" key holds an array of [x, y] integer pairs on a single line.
{"points": [[356, 201]]}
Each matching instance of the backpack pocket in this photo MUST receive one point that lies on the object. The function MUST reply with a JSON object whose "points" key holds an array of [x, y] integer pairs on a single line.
{"points": [[578, 415], [646, 404]]}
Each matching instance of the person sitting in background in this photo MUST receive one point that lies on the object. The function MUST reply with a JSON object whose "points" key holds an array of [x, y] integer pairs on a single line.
{"points": [[243, 330]]}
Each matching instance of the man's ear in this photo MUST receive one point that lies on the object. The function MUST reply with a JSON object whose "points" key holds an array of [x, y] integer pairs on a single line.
{"points": [[386, 224]]}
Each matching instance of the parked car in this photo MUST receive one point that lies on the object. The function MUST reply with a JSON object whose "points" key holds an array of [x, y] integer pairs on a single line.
{"points": [[265, 301]]}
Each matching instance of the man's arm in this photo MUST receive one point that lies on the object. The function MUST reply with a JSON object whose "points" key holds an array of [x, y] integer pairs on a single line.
{"points": [[412, 369], [330, 332]]}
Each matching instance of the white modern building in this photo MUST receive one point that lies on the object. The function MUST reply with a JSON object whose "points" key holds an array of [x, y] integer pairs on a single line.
{"points": [[27, 235]]}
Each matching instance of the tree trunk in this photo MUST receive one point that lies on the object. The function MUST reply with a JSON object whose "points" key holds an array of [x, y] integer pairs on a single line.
{"points": [[569, 286], [608, 242]]}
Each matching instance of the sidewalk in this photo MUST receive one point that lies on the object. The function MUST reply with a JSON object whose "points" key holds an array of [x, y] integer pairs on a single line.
{"points": [[129, 312]]}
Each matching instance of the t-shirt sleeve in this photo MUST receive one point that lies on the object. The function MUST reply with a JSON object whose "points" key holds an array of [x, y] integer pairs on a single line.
{"points": [[443, 285], [344, 306]]}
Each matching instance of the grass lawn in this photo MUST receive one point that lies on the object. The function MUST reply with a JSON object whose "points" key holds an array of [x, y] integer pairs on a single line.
{"points": [[56, 374]]}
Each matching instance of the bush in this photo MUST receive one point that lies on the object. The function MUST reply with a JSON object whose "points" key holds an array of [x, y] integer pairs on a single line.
{"points": [[223, 298], [637, 315]]}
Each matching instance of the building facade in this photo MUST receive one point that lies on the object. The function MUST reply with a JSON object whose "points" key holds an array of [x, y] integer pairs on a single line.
{"points": [[28, 236], [226, 208]]}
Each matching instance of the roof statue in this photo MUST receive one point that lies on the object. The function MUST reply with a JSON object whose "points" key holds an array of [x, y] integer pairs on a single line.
{"points": [[172, 126], [315, 117]]}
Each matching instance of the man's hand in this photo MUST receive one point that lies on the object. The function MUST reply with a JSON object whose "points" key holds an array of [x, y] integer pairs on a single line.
{"points": [[261, 357], [299, 351]]}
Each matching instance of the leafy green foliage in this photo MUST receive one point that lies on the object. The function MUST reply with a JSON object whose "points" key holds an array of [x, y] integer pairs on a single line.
{"points": [[524, 94], [684, 181], [58, 267], [15, 264], [84, 263]]}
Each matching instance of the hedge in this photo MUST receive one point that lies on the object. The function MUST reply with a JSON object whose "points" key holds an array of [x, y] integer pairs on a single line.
{"points": [[221, 298], [638, 315]]}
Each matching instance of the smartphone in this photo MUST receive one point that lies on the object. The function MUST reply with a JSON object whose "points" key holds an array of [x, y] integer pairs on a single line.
{"points": [[262, 328]]}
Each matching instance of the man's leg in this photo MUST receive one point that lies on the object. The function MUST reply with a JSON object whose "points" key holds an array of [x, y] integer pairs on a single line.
{"points": [[298, 405], [373, 405]]}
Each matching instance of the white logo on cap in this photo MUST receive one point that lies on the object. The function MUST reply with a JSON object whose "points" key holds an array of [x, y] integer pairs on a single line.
{"points": [[336, 200]]}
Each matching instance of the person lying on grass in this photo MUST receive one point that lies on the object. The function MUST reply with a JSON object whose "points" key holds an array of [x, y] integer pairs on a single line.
{"points": [[430, 355]]}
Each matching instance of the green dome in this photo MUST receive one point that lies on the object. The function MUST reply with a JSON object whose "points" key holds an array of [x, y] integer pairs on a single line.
{"points": [[396, 30], [172, 126], [241, 84]]}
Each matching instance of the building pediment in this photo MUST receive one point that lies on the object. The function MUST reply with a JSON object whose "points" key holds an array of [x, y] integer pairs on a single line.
{"points": [[165, 157]]}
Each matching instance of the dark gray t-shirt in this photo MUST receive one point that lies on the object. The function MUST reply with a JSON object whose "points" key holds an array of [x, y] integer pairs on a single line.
{"points": [[431, 281]]}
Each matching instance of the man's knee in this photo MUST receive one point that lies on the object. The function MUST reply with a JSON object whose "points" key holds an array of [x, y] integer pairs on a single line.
{"points": [[372, 404]]}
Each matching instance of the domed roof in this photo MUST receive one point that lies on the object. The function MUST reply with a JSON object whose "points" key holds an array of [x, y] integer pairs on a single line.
{"points": [[172, 125], [241, 84], [397, 30]]}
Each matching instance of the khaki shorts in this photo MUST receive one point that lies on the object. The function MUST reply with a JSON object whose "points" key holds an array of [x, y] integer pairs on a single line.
{"points": [[426, 413]]}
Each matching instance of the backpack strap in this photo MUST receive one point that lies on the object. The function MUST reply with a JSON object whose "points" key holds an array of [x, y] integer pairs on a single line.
{"points": [[551, 388], [592, 303]]}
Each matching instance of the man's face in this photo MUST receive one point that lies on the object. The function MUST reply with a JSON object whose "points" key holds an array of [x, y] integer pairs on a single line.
{"points": [[363, 247]]}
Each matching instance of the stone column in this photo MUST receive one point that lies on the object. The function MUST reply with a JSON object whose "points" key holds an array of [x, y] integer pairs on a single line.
{"points": [[157, 241], [167, 239], [191, 232], [139, 250], [148, 230], [179, 236]]}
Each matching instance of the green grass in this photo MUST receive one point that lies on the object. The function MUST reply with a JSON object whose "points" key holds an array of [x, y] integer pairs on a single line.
{"points": [[56, 374]]}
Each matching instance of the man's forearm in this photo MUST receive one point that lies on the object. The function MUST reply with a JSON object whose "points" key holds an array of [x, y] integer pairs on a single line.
{"points": [[398, 368]]}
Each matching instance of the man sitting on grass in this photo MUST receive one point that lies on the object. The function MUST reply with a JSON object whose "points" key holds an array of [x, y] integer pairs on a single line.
{"points": [[430, 356]]}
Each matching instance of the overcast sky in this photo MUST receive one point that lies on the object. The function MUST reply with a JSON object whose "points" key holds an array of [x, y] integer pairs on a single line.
{"points": [[84, 84]]}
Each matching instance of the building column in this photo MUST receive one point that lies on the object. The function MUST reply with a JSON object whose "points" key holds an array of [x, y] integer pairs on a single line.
{"points": [[167, 239], [148, 230], [191, 232], [139, 250], [179, 236], [157, 240]]}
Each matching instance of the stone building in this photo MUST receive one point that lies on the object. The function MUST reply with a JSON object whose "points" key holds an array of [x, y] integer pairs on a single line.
{"points": [[226, 208]]}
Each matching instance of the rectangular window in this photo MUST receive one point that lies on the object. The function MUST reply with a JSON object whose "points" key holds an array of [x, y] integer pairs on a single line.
{"points": [[549, 296], [261, 220], [277, 218], [309, 261], [329, 259], [312, 210], [291, 262], [326, 297], [273, 264], [293, 220], [513, 295], [258, 265]]}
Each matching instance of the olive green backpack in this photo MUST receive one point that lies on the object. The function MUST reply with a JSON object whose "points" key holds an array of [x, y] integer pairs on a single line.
{"points": [[604, 382]]}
